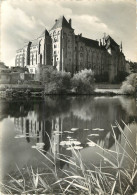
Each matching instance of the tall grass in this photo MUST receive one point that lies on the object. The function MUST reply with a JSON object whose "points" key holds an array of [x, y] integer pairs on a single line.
{"points": [[110, 177]]}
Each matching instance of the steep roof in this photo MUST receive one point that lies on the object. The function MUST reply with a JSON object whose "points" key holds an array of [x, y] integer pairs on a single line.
{"points": [[3, 66], [45, 32], [112, 42], [61, 22], [88, 42]]}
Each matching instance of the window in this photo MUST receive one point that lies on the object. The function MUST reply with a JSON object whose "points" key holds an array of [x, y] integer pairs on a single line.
{"points": [[36, 58], [81, 55], [31, 70], [55, 46], [55, 39], [81, 48], [54, 33]]}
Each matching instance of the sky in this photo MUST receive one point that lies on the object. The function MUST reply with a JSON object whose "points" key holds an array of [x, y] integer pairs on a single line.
{"points": [[24, 20]]}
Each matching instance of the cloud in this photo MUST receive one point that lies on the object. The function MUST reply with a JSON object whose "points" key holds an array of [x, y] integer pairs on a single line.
{"points": [[23, 20], [91, 26]]}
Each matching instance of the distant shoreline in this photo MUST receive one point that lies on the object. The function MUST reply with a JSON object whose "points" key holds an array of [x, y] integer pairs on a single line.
{"points": [[20, 91]]}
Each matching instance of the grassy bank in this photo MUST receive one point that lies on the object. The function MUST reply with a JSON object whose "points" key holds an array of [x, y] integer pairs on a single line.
{"points": [[110, 177]]}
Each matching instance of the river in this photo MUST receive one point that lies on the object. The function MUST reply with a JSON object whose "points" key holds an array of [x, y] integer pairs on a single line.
{"points": [[51, 124]]}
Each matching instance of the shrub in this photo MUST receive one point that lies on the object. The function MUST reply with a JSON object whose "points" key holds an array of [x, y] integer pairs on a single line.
{"points": [[130, 84], [83, 82], [128, 89], [56, 82]]}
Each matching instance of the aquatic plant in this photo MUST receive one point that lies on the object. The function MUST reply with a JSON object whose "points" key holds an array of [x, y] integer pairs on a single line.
{"points": [[110, 177]]}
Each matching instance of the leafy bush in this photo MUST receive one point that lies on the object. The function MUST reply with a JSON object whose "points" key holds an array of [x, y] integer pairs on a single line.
{"points": [[56, 82], [128, 89], [83, 82], [130, 84]]}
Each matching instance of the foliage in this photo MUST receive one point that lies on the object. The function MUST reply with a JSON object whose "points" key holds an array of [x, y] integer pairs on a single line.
{"points": [[130, 84], [120, 77], [133, 67], [56, 82], [83, 82]]}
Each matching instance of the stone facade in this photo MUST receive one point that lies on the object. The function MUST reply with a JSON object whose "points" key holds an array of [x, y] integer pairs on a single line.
{"points": [[64, 50]]}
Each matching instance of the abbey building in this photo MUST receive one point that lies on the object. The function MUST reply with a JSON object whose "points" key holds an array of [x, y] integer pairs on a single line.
{"points": [[65, 51]]}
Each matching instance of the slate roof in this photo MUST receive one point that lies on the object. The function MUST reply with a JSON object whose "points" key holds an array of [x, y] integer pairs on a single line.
{"points": [[112, 42], [88, 42], [45, 32], [61, 22]]}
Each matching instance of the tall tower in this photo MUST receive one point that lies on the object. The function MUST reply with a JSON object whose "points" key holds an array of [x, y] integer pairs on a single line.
{"points": [[44, 49], [63, 44]]}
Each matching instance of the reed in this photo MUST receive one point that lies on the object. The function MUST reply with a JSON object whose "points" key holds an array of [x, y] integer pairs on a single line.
{"points": [[106, 179]]}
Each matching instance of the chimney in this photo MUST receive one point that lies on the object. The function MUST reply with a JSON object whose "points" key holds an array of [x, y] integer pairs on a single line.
{"points": [[104, 39], [70, 21], [100, 43], [56, 20], [80, 34], [121, 47]]}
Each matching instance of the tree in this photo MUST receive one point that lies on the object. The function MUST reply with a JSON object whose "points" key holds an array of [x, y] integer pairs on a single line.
{"points": [[56, 82], [83, 82], [129, 86]]}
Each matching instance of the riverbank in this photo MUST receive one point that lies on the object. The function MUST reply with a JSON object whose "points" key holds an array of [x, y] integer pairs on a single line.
{"points": [[18, 90]]}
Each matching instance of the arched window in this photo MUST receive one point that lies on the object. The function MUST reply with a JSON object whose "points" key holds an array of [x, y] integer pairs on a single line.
{"points": [[32, 58], [36, 58], [40, 45], [55, 46], [81, 48]]}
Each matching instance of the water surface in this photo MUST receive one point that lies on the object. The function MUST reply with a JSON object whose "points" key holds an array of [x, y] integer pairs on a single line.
{"points": [[61, 122]]}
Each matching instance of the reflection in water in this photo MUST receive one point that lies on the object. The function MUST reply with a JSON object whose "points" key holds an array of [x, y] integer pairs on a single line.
{"points": [[59, 121]]}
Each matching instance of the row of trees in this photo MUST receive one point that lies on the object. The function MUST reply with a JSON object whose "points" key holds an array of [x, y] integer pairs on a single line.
{"points": [[57, 82]]}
